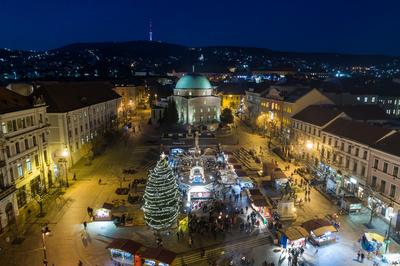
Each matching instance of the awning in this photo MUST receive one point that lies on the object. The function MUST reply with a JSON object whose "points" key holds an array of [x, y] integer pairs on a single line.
{"points": [[374, 237], [322, 230], [295, 233]]}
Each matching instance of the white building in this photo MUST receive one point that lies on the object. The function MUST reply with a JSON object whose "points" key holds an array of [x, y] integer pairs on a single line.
{"points": [[384, 177], [24, 158], [195, 100], [77, 113]]}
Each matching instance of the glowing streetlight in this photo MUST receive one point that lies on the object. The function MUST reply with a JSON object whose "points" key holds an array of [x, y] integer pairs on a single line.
{"points": [[309, 145], [65, 153]]}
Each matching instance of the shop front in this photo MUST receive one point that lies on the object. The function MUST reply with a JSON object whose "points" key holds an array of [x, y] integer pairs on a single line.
{"points": [[384, 209], [351, 204], [321, 231]]}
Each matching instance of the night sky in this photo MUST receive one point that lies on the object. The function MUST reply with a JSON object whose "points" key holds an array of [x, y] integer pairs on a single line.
{"points": [[351, 26]]}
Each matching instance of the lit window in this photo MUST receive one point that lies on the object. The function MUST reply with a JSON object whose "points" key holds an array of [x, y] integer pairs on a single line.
{"points": [[365, 99], [28, 165], [19, 170], [190, 93], [3, 127], [373, 99], [358, 98], [201, 110]]}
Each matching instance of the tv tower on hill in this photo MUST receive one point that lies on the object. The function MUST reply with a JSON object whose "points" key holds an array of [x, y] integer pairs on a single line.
{"points": [[150, 30]]}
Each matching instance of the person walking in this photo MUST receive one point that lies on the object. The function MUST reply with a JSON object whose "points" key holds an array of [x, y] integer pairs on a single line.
{"points": [[84, 225], [177, 234], [74, 178], [99, 181], [358, 255], [362, 257]]}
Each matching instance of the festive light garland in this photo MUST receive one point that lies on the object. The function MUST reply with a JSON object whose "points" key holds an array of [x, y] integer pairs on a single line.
{"points": [[161, 197]]}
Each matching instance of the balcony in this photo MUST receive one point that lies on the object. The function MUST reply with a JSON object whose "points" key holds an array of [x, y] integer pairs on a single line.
{"points": [[4, 192]]}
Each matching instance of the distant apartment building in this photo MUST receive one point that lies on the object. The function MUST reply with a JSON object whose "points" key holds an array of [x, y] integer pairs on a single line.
{"points": [[24, 153], [78, 112], [131, 97]]}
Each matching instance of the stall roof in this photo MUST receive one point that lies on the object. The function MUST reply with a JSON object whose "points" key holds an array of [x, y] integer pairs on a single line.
{"points": [[126, 245], [352, 200], [108, 206], [313, 224], [260, 202], [279, 175], [255, 192], [240, 172], [159, 254], [295, 233], [322, 230], [374, 237]]}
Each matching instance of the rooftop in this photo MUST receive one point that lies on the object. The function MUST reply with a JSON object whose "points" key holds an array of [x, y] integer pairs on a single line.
{"points": [[193, 81], [364, 112], [11, 101], [357, 131], [68, 96], [318, 115], [390, 144]]}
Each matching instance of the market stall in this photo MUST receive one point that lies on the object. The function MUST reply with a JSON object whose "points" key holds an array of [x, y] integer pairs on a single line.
{"points": [[321, 231], [124, 252], [351, 204], [157, 256], [103, 213], [373, 242], [259, 204], [294, 236]]}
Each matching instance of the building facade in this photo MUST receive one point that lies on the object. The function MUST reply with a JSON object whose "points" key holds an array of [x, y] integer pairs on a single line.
{"points": [[131, 97], [24, 157], [384, 178], [78, 114]]}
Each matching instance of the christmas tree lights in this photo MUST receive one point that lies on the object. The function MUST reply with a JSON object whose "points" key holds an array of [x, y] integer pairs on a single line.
{"points": [[161, 197]]}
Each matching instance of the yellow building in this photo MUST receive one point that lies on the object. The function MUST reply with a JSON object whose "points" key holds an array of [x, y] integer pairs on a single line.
{"points": [[232, 96]]}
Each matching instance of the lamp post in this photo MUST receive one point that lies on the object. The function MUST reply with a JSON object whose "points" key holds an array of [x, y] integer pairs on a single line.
{"points": [[45, 232], [65, 154], [388, 232]]}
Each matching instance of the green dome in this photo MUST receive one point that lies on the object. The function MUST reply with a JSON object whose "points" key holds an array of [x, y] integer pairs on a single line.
{"points": [[193, 81]]}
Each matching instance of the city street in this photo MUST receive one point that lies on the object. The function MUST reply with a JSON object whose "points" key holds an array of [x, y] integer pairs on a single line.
{"points": [[66, 215]]}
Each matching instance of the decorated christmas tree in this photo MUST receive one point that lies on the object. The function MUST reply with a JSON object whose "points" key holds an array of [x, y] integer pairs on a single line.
{"points": [[161, 197]]}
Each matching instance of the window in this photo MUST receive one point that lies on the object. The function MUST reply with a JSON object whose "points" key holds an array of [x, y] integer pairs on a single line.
{"points": [[37, 161], [373, 181], [43, 137], [392, 190], [349, 149], [28, 165], [355, 167], [342, 146], [357, 151], [395, 171], [336, 143], [347, 163], [34, 141], [373, 99], [20, 170], [323, 139], [17, 147], [383, 185], [26, 144], [362, 170], [385, 166], [76, 131], [365, 155], [376, 162], [329, 141], [45, 156], [21, 196], [365, 99], [3, 127], [8, 151]]}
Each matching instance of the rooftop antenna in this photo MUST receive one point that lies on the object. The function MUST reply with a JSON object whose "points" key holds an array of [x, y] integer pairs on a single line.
{"points": [[150, 30]]}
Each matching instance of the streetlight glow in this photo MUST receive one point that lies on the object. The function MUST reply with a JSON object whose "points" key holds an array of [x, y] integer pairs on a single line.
{"points": [[65, 153], [309, 145]]}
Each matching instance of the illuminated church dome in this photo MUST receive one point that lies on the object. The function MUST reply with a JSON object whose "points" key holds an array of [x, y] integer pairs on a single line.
{"points": [[193, 81]]}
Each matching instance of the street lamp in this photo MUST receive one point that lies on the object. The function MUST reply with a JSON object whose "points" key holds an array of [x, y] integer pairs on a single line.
{"points": [[388, 232], [45, 232], [309, 145]]}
